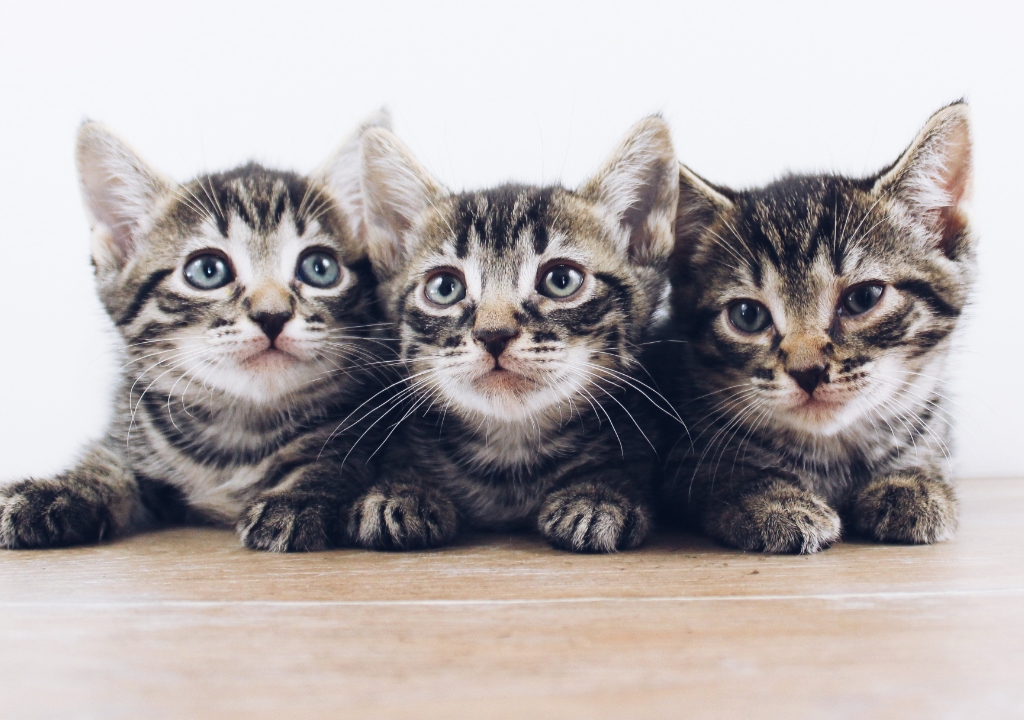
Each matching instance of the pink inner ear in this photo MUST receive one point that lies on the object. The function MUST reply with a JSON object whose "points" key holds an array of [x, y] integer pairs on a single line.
{"points": [[956, 184]]}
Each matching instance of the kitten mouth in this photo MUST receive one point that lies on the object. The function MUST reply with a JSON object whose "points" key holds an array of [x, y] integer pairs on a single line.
{"points": [[269, 359], [815, 407], [503, 380]]}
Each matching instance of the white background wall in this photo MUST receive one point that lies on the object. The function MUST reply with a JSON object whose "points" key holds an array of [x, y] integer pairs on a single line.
{"points": [[526, 91]]}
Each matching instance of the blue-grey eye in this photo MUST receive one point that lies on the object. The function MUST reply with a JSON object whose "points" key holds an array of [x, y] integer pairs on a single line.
{"points": [[862, 298], [319, 269], [749, 316], [561, 281], [445, 288], [208, 272]]}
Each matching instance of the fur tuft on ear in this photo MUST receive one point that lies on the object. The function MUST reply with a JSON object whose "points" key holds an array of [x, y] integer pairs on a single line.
{"points": [[343, 175], [932, 178], [119, 190], [638, 185], [397, 190]]}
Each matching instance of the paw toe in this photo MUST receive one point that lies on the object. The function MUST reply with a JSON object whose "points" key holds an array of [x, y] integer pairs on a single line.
{"points": [[593, 519], [286, 523], [906, 509], [403, 518], [39, 514], [779, 521]]}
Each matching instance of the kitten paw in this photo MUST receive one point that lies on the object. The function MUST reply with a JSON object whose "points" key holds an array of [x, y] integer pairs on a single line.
{"points": [[289, 522], [592, 518], [781, 519], [402, 517], [905, 508], [47, 513]]}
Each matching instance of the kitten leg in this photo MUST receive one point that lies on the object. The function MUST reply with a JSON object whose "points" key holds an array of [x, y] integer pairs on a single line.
{"points": [[593, 517], [774, 517], [402, 516], [905, 507], [98, 498]]}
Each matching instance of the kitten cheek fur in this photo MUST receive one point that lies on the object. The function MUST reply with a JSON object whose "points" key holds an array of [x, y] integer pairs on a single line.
{"points": [[519, 409], [209, 424], [765, 469]]}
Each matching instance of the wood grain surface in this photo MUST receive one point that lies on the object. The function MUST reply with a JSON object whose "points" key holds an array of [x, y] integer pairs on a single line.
{"points": [[186, 623]]}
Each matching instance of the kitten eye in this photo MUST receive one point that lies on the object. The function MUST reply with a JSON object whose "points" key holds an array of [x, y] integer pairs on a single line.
{"points": [[561, 281], [862, 298], [319, 269], [445, 288], [208, 272], [749, 316]]}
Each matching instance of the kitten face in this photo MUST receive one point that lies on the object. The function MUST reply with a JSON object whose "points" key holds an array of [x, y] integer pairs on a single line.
{"points": [[248, 282], [259, 292], [819, 302], [517, 299], [519, 302]]}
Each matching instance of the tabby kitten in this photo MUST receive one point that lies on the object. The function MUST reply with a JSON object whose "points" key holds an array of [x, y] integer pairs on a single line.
{"points": [[519, 311], [815, 318], [244, 305]]}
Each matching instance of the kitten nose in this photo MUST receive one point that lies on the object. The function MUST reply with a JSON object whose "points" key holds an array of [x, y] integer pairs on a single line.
{"points": [[808, 378], [272, 323], [495, 340]]}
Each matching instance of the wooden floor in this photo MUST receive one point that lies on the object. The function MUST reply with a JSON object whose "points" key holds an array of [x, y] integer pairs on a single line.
{"points": [[185, 623]]}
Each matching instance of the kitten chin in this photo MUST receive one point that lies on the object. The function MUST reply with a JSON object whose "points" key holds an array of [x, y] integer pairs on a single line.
{"points": [[813, 319]]}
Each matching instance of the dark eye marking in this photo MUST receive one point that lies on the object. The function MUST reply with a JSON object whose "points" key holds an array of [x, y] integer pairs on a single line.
{"points": [[889, 332], [586, 316], [174, 304], [619, 288], [143, 294], [467, 315], [926, 294], [530, 310], [853, 363]]}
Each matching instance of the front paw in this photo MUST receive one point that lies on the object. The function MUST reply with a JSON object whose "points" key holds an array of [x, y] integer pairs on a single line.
{"points": [[588, 517], [48, 513], [289, 522], [402, 517], [905, 508], [780, 519]]}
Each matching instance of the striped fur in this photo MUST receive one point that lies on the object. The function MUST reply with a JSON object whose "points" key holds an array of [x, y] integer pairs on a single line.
{"points": [[542, 427], [827, 418], [221, 415]]}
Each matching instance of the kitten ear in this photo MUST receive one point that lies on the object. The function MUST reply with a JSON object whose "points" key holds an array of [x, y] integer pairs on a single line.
{"points": [[343, 175], [700, 203], [932, 178], [396, 191], [638, 184], [120, 191]]}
